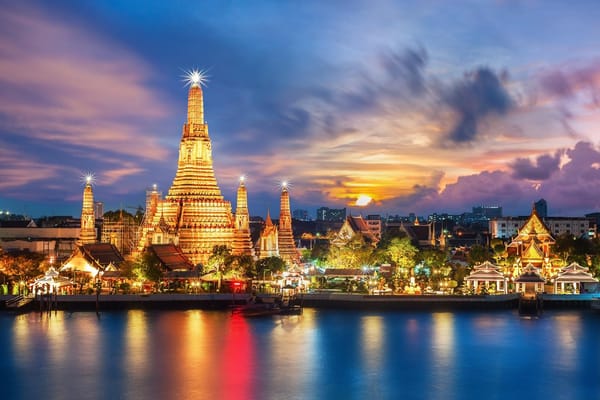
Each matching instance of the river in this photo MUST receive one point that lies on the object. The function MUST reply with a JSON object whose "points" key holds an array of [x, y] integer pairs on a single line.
{"points": [[322, 354]]}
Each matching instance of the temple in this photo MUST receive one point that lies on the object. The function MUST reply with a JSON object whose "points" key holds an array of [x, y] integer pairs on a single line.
{"points": [[278, 241], [287, 247], [194, 215], [242, 241], [88, 221], [268, 243], [533, 245]]}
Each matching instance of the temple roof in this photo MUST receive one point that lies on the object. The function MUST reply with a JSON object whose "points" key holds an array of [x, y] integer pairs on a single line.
{"points": [[530, 274], [575, 273], [171, 257], [535, 227], [485, 271], [103, 253]]}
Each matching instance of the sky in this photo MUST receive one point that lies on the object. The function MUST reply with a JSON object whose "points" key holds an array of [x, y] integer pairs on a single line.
{"points": [[422, 106]]}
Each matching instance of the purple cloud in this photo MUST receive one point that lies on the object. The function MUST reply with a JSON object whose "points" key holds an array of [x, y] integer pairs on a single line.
{"points": [[543, 167]]}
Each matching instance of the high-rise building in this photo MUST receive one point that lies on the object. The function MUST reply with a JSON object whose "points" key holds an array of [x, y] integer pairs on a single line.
{"points": [[301, 215], [331, 214], [88, 222], [194, 215], [541, 207], [98, 209]]}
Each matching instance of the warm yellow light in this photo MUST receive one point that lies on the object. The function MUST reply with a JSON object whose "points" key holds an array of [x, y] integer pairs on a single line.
{"points": [[363, 200], [242, 178], [195, 77]]}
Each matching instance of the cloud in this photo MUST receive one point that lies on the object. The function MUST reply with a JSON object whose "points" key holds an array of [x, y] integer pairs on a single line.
{"points": [[65, 85], [479, 94], [543, 167]]}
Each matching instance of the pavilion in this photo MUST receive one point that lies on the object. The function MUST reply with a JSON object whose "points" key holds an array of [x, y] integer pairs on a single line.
{"points": [[571, 277], [487, 275]]}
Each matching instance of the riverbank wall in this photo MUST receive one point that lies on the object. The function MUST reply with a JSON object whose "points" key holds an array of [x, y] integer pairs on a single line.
{"points": [[330, 300]]}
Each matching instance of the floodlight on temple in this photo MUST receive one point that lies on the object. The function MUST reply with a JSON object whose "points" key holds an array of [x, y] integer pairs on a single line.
{"points": [[195, 77]]}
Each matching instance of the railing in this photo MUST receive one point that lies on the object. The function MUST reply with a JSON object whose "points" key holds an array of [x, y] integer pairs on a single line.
{"points": [[13, 302]]}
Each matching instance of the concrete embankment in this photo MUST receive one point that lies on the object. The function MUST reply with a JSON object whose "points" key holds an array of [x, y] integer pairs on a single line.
{"points": [[408, 302], [332, 300]]}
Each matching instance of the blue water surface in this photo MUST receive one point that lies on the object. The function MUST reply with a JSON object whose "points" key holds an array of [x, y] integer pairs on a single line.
{"points": [[322, 354]]}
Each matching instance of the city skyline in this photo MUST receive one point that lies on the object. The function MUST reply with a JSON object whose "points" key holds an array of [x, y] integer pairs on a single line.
{"points": [[423, 107]]}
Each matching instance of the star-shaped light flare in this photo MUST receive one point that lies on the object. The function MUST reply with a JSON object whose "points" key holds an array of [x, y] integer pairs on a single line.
{"points": [[88, 178], [195, 77]]}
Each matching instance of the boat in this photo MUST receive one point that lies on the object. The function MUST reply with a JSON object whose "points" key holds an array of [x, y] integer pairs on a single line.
{"points": [[260, 307]]}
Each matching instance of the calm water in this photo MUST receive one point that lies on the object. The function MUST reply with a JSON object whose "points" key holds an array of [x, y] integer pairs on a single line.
{"points": [[319, 355]]}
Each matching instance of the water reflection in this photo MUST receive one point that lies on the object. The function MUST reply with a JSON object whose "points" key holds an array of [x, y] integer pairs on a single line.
{"points": [[237, 367], [321, 354]]}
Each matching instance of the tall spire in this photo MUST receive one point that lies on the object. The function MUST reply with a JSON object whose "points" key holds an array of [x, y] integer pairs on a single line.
{"points": [[287, 248], [194, 214], [242, 241], [88, 221], [195, 110], [195, 177]]}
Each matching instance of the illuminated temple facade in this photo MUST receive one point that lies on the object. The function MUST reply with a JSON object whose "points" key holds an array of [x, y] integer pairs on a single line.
{"points": [[87, 234], [194, 215], [278, 241], [533, 245]]}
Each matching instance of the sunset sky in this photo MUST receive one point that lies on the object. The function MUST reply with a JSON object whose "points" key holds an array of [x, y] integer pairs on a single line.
{"points": [[424, 106]]}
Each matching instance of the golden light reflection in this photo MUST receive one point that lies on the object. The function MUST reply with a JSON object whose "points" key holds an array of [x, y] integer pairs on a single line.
{"points": [[443, 342], [372, 342], [22, 341], [194, 355], [443, 338], [136, 342], [293, 345], [568, 329]]}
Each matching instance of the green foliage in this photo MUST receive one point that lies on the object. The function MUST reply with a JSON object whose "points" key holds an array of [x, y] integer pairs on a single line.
{"points": [[478, 254], [269, 265], [147, 268], [354, 254], [402, 252]]}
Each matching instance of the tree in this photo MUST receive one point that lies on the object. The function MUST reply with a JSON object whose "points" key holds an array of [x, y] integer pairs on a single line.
{"points": [[478, 254], [354, 254], [219, 262], [273, 265], [148, 268], [402, 253]]}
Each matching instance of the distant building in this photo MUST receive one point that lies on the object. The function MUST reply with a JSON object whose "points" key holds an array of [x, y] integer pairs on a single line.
{"points": [[301, 215], [541, 207], [374, 224], [98, 209], [507, 227], [331, 214], [120, 232], [487, 212], [354, 225]]}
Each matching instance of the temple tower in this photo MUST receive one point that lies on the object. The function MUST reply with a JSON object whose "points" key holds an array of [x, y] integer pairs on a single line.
{"points": [[268, 244], [88, 220], [242, 241], [194, 214], [287, 247]]}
